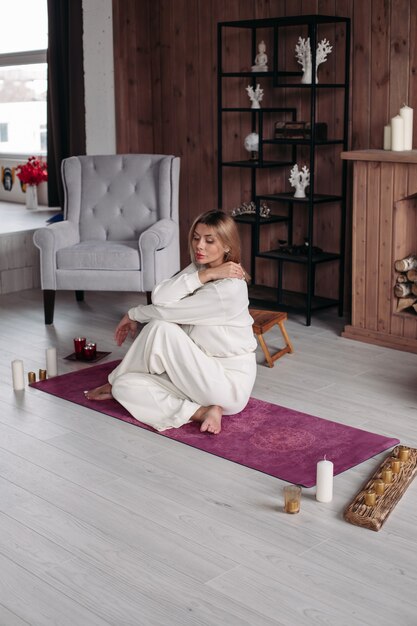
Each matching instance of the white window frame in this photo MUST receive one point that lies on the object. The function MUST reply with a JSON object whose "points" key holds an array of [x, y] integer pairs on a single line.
{"points": [[26, 57]]}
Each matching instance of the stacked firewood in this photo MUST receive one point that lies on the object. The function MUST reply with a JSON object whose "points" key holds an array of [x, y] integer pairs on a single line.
{"points": [[406, 283]]}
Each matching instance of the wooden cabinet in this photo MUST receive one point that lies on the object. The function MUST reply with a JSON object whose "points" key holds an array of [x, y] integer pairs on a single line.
{"points": [[300, 242], [384, 229]]}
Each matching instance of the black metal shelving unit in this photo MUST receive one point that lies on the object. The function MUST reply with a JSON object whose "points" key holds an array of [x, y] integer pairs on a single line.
{"points": [[280, 82]]}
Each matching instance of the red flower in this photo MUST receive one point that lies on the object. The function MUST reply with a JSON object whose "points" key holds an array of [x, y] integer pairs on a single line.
{"points": [[34, 172]]}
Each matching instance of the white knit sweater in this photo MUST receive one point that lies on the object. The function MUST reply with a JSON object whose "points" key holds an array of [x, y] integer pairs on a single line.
{"points": [[215, 315]]}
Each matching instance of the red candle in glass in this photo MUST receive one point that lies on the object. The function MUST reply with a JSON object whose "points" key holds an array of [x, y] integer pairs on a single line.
{"points": [[93, 347], [79, 343], [89, 352]]}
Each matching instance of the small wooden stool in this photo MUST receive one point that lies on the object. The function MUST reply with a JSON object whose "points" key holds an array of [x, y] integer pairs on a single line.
{"points": [[262, 322]]}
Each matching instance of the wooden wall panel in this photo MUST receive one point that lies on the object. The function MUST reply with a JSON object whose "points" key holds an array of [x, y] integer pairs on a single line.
{"points": [[156, 98], [166, 91], [380, 79], [412, 86], [385, 248], [372, 249], [361, 75], [400, 53], [359, 247]]}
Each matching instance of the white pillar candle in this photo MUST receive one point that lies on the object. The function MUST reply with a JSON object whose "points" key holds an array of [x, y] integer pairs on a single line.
{"points": [[387, 137], [51, 362], [406, 113], [397, 133], [18, 375], [324, 481]]}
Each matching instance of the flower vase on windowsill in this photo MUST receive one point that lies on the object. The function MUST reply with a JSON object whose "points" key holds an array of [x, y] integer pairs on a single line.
{"points": [[31, 197], [31, 174]]}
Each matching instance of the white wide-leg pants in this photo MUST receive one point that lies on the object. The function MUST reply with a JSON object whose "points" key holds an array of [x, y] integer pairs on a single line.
{"points": [[165, 377]]}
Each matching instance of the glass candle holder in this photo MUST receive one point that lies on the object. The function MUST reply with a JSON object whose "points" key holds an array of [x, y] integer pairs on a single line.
{"points": [[92, 346], [292, 498], [42, 374], [89, 352], [31, 377], [403, 453], [79, 343]]}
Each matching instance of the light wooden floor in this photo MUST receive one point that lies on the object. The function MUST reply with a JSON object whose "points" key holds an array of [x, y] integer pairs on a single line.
{"points": [[105, 523]]}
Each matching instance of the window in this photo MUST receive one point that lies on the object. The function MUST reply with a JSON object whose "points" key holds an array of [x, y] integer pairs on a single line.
{"points": [[4, 133], [23, 78]]}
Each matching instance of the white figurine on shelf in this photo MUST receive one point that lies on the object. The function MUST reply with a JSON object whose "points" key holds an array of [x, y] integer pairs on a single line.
{"points": [[255, 95], [261, 59], [303, 56], [300, 179]]}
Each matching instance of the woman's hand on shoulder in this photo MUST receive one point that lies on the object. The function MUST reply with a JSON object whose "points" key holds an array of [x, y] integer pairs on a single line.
{"points": [[225, 270], [125, 327]]}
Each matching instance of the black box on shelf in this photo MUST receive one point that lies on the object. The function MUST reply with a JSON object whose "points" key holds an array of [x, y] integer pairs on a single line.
{"points": [[300, 130]]}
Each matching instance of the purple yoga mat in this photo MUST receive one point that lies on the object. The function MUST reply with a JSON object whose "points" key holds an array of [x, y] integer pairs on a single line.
{"points": [[267, 437]]}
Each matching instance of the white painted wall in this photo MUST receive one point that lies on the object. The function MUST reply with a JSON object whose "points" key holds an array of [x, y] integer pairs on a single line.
{"points": [[99, 77]]}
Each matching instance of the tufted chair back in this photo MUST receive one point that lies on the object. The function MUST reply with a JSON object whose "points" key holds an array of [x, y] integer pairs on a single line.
{"points": [[119, 196], [120, 230]]}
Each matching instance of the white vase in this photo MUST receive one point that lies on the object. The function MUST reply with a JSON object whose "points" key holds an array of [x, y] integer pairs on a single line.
{"points": [[31, 197], [300, 193]]}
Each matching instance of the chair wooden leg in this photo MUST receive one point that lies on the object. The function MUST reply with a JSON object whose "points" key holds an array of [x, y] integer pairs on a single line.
{"points": [[49, 305], [285, 336], [287, 349], [79, 296], [149, 297], [265, 351]]}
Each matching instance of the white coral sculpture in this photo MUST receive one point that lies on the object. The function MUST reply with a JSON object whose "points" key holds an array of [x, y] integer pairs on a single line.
{"points": [[255, 95], [323, 49], [300, 179], [303, 51], [303, 56]]}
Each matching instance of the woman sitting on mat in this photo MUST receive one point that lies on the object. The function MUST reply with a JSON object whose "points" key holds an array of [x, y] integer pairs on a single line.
{"points": [[194, 359]]}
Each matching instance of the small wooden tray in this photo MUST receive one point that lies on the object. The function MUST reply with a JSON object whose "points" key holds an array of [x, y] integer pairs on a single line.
{"points": [[373, 517]]}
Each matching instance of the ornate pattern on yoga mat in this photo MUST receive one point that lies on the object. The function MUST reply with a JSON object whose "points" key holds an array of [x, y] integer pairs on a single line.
{"points": [[272, 439]]}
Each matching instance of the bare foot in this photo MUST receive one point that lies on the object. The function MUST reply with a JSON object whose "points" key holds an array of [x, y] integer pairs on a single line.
{"points": [[99, 393], [210, 418]]}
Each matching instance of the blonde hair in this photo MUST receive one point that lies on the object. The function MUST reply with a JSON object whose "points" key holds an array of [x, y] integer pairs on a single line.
{"points": [[226, 230]]}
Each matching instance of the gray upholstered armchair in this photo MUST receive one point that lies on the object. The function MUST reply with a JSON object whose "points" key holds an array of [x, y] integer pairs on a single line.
{"points": [[120, 230]]}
